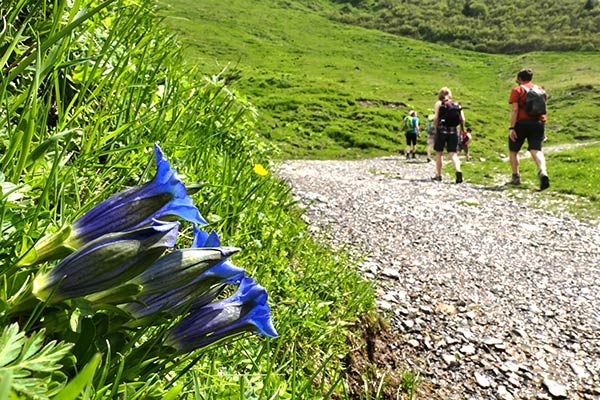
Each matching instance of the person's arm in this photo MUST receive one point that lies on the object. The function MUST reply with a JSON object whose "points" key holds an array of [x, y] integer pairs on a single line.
{"points": [[513, 120], [436, 109]]}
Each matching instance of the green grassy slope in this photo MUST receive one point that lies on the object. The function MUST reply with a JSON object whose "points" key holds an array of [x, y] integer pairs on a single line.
{"points": [[328, 90], [307, 74]]}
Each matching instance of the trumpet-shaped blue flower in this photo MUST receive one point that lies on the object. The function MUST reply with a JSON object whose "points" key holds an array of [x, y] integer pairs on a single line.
{"points": [[245, 311], [186, 278], [164, 197], [105, 262]]}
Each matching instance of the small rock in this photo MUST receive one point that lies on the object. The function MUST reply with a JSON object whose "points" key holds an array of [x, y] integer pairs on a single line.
{"points": [[579, 370], [384, 305], [482, 380], [468, 349], [491, 341], [468, 335], [555, 388], [390, 297], [447, 308], [449, 359], [390, 273], [450, 340], [408, 323], [534, 309], [510, 366], [504, 394]]}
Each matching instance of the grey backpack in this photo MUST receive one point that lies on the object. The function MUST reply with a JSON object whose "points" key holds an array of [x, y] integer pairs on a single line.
{"points": [[535, 102]]}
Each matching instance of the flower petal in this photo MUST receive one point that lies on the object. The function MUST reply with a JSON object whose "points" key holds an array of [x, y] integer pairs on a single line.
{"points": [[165, 195], [245, 311]]}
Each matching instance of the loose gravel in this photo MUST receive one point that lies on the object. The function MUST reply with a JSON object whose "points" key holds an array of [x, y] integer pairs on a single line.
{"points": [[490, 298]]}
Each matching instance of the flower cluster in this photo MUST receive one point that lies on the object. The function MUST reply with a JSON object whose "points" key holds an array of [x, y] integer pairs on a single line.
{"points": [[116, 254]]}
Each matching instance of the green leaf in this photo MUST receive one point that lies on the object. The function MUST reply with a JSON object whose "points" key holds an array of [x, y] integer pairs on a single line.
{"points": [[76, 386], [173, 393], [47, 358], [40, 150], [10, 344], [82, 310], [26, 362], [5, 383]]}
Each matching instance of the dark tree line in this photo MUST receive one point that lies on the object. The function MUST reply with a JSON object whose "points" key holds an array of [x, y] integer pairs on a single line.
{"points": [[491, 26]]}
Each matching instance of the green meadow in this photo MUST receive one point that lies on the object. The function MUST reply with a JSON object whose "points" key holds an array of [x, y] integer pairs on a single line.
{"points": [[327, 90]]}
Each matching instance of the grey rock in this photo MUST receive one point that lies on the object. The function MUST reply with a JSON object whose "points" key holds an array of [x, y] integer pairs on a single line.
{"points": [[482, 380], [468, 349], [503, 393], [556, 389], [449, 359], [578, 370]]}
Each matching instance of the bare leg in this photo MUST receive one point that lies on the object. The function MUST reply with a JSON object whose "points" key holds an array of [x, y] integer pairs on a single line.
{"points": [[455, 160], [540, 160], [514, 162], [438, 163]]}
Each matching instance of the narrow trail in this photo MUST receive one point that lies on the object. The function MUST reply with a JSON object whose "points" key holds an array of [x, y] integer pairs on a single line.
{"points": [[487, 297], [555, 148]]}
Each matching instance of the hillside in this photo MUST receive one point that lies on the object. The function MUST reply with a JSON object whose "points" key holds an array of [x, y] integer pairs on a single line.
{"points": [[325, 89], [493, 26]]}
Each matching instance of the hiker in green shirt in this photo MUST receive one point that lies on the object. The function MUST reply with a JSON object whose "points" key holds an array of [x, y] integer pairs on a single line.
{"points": [[412, 131]]}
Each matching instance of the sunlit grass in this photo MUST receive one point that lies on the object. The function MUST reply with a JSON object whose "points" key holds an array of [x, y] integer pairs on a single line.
{"points": [[78, 126]]}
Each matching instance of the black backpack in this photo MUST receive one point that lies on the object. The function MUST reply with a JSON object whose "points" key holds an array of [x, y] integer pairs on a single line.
{"points": [[535, 101], [450, 113]]}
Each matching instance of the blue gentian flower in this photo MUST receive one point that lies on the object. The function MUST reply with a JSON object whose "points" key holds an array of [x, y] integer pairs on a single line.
{"points": [[105, 262], [186, 278], [245, 311], [164, 197]]}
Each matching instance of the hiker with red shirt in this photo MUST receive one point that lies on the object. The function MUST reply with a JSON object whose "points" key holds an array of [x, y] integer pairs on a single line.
{"points": [[464, 142], [528, 126]]}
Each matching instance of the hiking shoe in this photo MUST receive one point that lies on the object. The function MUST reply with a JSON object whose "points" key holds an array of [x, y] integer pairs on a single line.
{"points": [[414, 155], [437, 178], [459, 178], [544, 182], [407, 156], [428, 159], [516, 180]]}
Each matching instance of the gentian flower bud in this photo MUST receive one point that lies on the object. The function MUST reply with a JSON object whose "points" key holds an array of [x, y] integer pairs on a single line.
{"points": [[105, 262], [164, 197], [185, 278], [245, 311]]}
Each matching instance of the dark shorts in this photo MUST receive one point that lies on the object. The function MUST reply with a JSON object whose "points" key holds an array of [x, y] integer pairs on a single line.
{"points": [[446, 137], [411, 139], [463, 147], [531, 130]]}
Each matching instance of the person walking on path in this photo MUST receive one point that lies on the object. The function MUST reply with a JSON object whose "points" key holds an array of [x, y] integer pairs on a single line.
{"points": [[448, 119], [412, 132], [527, 122], [430, 135], [464, 142]]}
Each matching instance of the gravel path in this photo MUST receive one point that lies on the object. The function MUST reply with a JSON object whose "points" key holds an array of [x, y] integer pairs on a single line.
{"points": [[490, 298]]}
